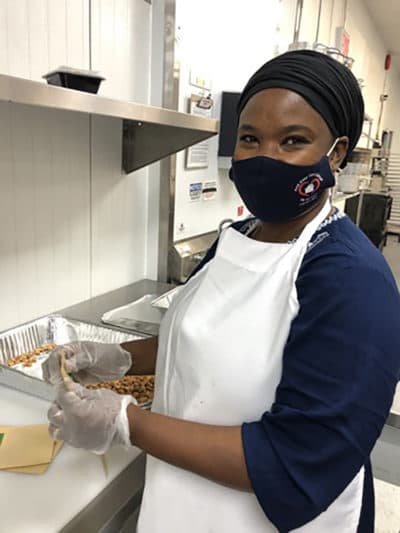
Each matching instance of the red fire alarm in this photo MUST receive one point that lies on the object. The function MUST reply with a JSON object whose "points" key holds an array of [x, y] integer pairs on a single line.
{"points": [[240, 211]]}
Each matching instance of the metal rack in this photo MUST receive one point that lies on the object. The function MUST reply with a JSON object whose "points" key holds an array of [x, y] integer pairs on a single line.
{"points": [[393, 182], [368, 135]]}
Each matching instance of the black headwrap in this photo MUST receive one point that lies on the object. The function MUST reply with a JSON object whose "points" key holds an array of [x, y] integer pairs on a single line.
{"points": [[327, 85]]}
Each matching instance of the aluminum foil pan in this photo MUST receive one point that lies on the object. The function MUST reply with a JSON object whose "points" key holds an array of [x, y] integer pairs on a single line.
{"points": [[52, 329]]}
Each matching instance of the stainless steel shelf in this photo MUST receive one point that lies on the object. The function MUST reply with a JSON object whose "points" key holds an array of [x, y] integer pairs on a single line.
{"points": [[149, 133]]}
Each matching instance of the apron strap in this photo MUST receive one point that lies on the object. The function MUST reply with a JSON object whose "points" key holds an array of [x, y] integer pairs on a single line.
{"points": [[313, 225]]}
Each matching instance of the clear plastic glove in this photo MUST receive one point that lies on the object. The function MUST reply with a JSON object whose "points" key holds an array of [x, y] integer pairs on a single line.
{"points": [[90, 419], [88, 362]]}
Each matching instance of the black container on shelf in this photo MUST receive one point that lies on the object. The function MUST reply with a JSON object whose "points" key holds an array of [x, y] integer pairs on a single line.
{"points": [[70, 78]]}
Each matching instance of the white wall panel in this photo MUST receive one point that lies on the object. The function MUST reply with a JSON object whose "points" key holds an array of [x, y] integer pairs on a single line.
{"points": [[121, 52], [8, 215], [4, 66], [121, 34], [23, 203], [70, 229], [119, 212], [44, 209], [70, 175], [39, 35], [77, 33], [18, 36]]}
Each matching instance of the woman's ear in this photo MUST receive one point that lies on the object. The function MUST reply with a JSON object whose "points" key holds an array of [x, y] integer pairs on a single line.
{"points": [[338, 153]]}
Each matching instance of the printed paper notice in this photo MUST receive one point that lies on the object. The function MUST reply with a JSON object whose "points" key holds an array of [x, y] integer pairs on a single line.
{"points": [[195, 191], [197, 156], [209, 190]]}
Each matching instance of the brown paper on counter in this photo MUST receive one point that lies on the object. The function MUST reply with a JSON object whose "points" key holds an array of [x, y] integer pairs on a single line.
{"points": [[38, 469], [25, 446]]}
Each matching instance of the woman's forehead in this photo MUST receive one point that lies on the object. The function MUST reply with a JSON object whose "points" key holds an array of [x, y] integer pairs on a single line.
{"points": [[272, 108]]}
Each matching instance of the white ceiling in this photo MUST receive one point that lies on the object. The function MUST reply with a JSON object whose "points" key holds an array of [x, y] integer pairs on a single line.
{"points": [[386, 14]]}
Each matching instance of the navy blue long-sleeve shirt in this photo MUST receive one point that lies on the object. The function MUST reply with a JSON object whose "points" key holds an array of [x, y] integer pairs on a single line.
{"points": [[341, 364]]}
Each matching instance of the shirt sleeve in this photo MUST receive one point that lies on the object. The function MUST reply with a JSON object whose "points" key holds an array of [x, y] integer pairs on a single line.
{"points": [[340, 368]]}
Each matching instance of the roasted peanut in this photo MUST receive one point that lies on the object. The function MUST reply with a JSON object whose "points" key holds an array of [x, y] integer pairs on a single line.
{"points": [[140, 387], [27, 359]]}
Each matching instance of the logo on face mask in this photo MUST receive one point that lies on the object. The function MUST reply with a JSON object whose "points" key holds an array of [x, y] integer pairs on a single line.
{"points": [[309, 185]]}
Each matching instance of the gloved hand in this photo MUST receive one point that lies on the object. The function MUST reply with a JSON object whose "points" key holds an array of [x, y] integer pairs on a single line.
{"points": [[90, 419], [88, 362]]}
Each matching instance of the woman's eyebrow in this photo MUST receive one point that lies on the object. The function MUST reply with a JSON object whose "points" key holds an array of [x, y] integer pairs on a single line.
{"points": [[296, 127], [247, 127], [284, 130]]}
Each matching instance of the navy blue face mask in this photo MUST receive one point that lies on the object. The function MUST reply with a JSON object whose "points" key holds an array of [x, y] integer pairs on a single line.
{"points": [[275, 191]]}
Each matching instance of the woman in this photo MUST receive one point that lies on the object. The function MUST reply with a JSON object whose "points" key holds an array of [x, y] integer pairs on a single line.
{"points": [[277, 361]]}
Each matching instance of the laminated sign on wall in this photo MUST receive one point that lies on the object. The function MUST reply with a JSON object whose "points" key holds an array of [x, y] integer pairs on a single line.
{"points": [[209, 191], [197, 156], [195, 191]]}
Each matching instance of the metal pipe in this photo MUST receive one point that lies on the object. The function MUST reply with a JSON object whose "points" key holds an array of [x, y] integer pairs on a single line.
{"points": [[345, 14], [318, 21], [168, 165], [382, 100], [297, 20], [331, 21]]}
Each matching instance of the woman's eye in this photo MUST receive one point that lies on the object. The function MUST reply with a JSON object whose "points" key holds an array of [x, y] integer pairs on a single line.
{"points": [[294, 141], [248, 139]]}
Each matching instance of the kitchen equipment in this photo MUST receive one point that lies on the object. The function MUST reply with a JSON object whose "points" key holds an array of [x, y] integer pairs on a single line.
{"points": [[370, 211], [185, 255], [52, 329], [320, 47], [349, 62], [358, 167], [387, 139], [335, 54], [361, 155], [393, 182], [73, 78], [348, 182]]}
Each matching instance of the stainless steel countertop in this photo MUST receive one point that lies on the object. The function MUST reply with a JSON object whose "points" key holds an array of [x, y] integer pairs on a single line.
{"points": [[93, 309]]}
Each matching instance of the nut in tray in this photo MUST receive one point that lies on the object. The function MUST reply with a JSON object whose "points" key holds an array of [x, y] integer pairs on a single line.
{"points": [[56, 330]]}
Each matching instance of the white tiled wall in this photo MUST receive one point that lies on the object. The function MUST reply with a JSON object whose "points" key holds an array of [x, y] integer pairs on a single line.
{"points": [[120, 47], [39, 35], [44, 199], [72, 224], [119, 212]]}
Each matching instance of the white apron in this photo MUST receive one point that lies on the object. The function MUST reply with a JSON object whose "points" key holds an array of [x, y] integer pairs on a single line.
{"points": [[220, 362]]}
